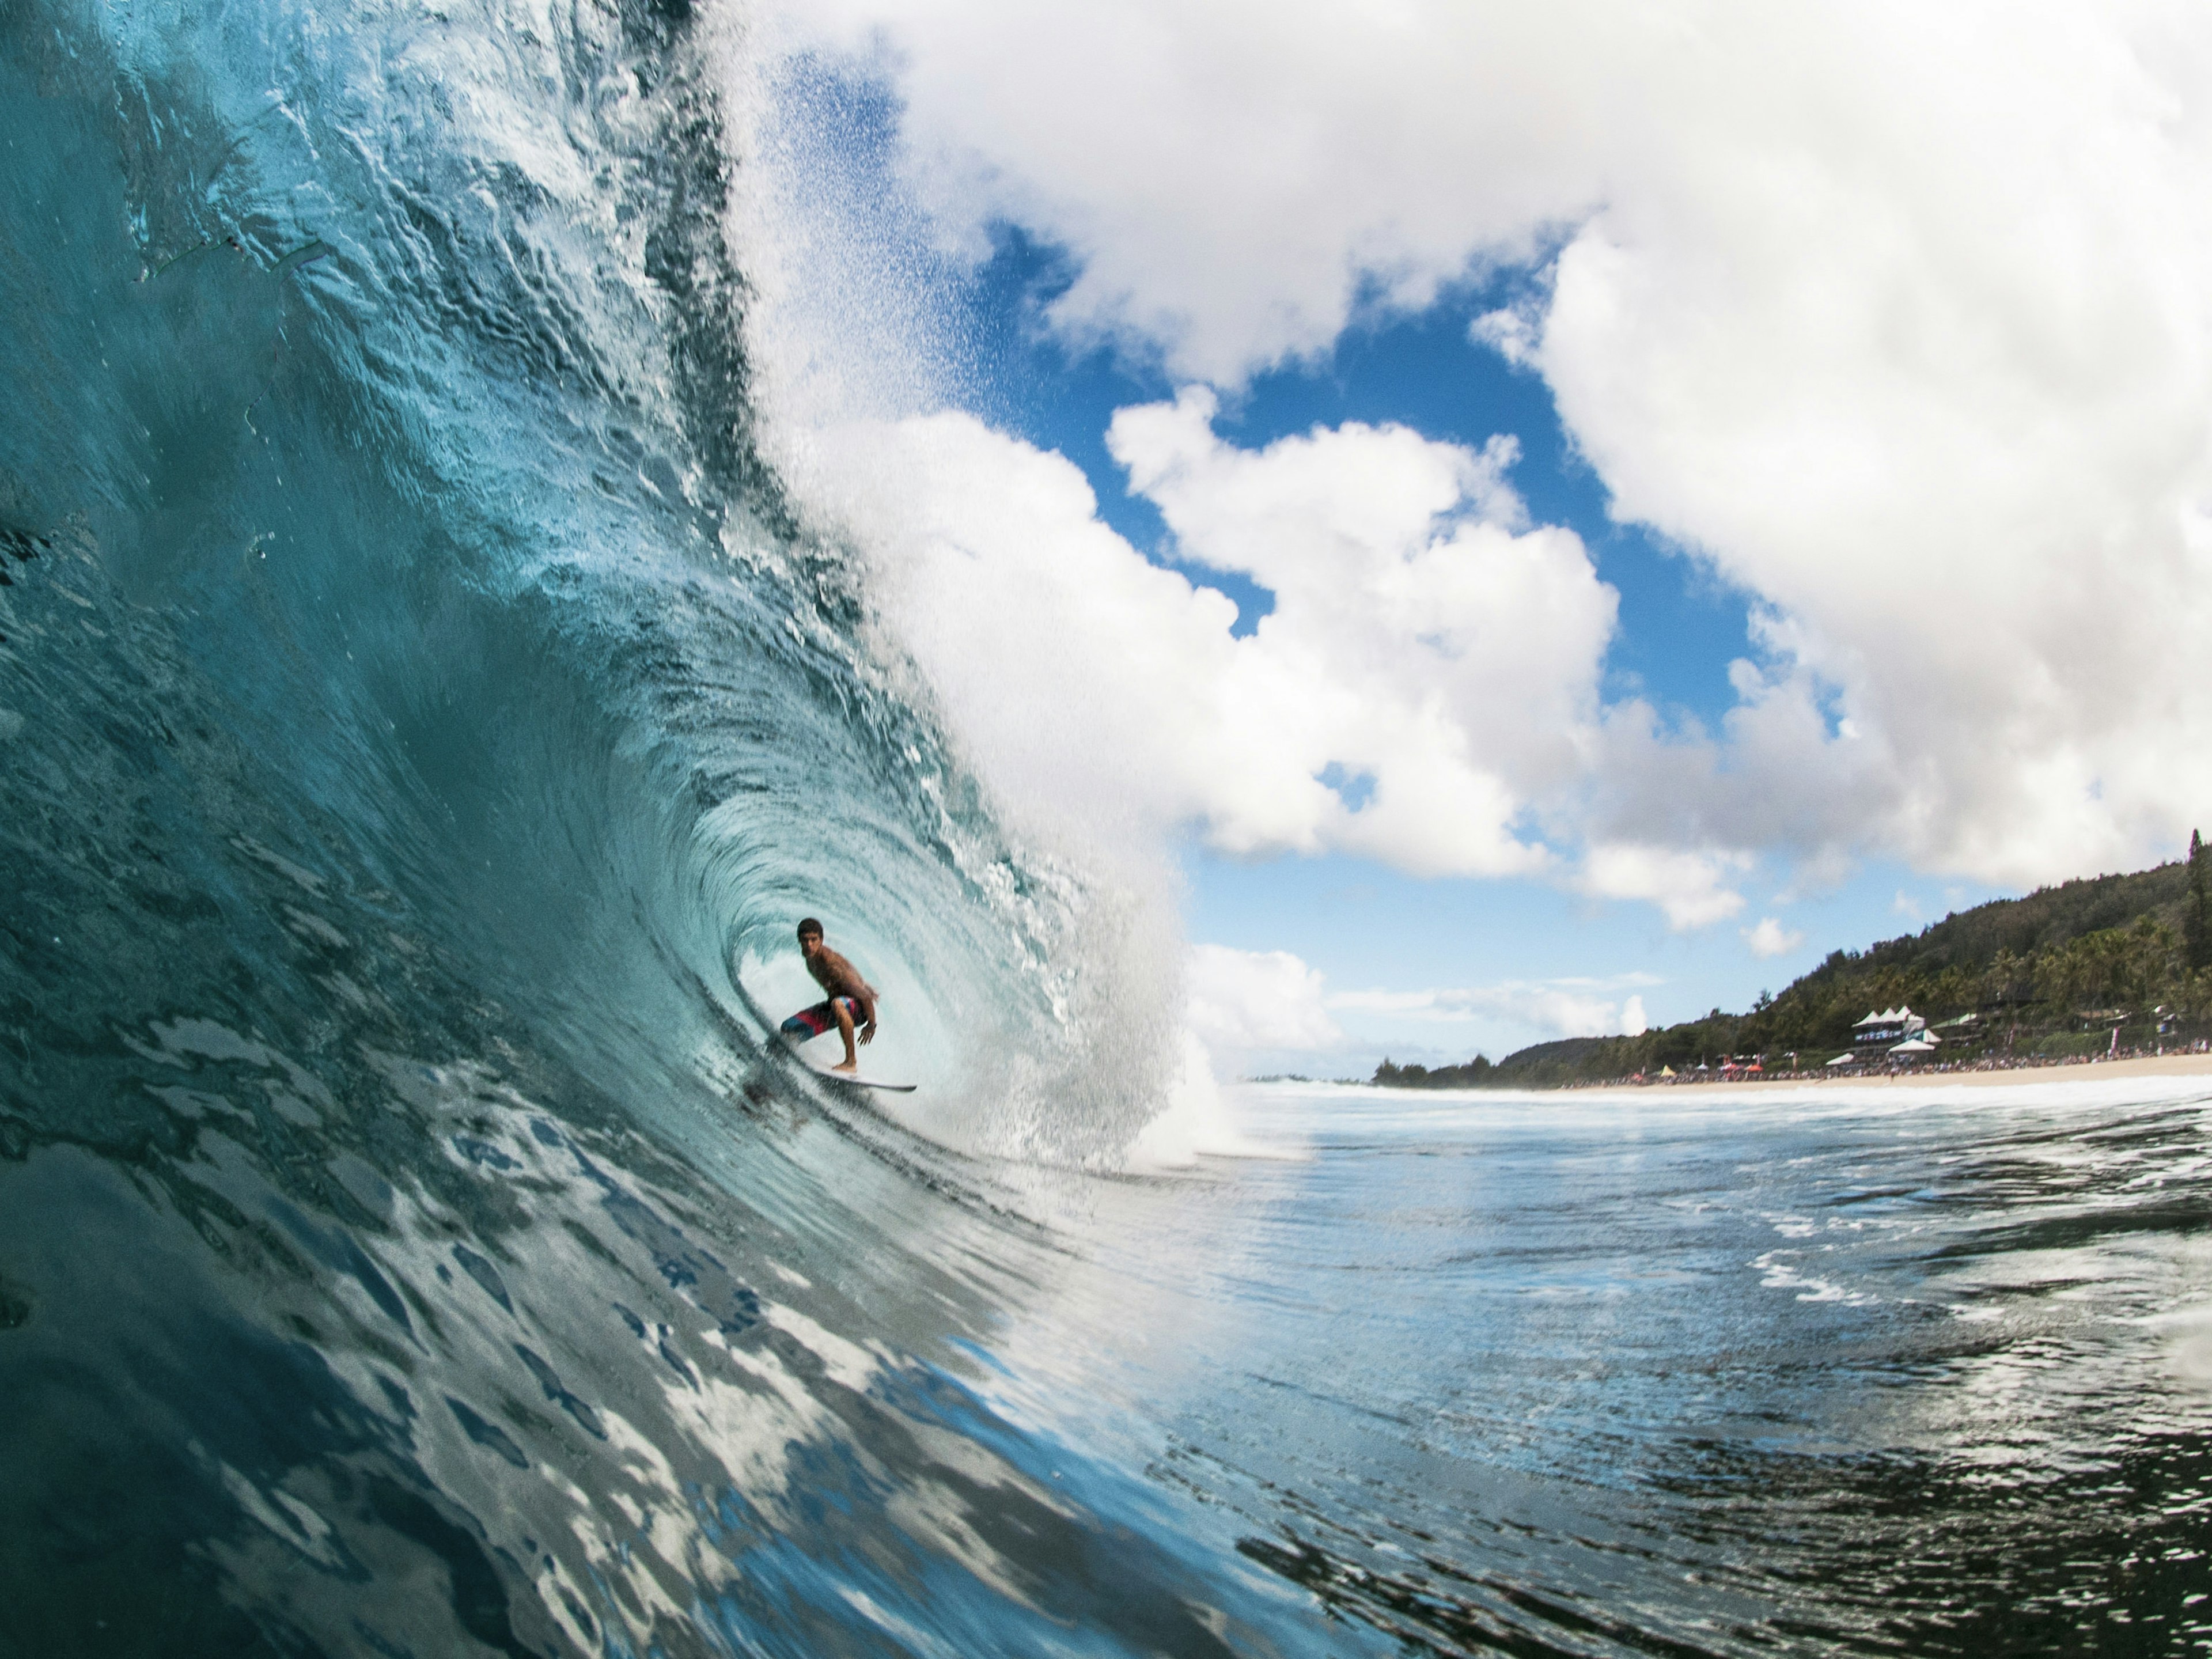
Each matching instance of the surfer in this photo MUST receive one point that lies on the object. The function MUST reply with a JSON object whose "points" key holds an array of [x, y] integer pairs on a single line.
{"points": [[851, 997]]}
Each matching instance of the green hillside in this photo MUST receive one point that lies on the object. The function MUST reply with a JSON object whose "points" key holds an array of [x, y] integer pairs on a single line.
{"points": [[2051, 973]]}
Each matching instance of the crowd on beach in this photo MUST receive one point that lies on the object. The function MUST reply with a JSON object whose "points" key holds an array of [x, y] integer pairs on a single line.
{"points": [[1756, 1072]]}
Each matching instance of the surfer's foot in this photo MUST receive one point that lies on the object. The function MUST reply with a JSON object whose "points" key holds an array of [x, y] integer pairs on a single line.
{"points": [[847, 1066]]}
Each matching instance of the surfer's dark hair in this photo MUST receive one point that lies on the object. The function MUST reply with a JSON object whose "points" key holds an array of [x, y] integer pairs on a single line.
{"points": [[810, 926]]}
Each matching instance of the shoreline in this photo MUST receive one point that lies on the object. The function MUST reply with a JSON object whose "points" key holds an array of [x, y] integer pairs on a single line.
{"points": [[2079, 1071]]}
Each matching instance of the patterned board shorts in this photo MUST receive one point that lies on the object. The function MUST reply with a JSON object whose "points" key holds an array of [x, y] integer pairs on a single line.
{"points": [[822, 1017]]}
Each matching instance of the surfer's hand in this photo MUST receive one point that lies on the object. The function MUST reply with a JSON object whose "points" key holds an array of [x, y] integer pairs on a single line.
{"points": [[868, 1032]]}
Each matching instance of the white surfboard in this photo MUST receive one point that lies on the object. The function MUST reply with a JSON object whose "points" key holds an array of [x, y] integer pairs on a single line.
{"points": [[852, 1082]]}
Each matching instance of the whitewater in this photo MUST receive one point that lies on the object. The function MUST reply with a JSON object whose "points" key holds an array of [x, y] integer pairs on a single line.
{"points": [[426, 707]]}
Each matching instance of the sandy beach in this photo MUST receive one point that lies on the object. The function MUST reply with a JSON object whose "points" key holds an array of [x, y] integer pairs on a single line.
{"points": [[2083, 1072]]}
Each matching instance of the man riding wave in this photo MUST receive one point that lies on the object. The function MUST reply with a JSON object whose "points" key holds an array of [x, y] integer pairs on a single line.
{"points": [[851, 998]]}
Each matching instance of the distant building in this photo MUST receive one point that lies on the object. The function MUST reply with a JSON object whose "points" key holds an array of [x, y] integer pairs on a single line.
{"points": [[1887, 1027]]}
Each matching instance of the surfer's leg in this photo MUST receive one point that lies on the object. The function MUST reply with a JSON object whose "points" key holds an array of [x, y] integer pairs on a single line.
{"points": [[809, 1023], [844, 1009]]}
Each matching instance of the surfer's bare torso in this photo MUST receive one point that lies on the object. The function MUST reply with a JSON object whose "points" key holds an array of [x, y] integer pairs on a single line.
{"points": [[841, 979], [852, 1001]]}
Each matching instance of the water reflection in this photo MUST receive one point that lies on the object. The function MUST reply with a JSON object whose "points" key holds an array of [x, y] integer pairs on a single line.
{"points": [[387, 1351], [1815, 1373]]}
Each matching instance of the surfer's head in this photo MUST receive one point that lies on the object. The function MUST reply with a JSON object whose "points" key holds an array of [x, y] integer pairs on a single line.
{"points": [[809, 936]]}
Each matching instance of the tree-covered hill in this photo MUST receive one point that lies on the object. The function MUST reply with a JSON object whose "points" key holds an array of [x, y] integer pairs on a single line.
{"points": [[2037, 972]]}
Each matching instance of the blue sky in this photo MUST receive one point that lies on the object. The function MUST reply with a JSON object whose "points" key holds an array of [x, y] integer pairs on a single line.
{"points": [[1363, 925], [1855, 375]]}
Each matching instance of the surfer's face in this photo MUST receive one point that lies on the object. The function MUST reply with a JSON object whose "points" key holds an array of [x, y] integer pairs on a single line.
{"points": [[810, 943]]}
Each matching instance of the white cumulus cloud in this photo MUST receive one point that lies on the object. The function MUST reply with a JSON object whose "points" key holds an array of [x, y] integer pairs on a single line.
{"points": [[1240, 1000], [1689, 886], [1898, 316], [1425, 643], [1771, 939]]}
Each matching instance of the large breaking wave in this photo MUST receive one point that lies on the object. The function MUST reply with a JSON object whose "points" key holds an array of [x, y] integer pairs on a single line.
{"points": [[421, 719], [380, 376]]}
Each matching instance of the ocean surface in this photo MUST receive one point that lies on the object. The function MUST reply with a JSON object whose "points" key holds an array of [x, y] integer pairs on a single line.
{"points": [[423, 715]]}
